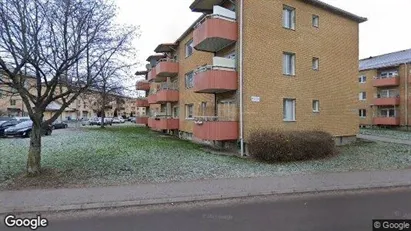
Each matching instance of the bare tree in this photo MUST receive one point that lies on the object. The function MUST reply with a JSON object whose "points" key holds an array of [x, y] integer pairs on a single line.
{"points": [[110, 84], [64, 45]]}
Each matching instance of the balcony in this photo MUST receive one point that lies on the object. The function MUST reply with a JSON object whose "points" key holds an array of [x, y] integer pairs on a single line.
{"points": [[395, 121], [386, 81], [216, 31], [167, 92], [166, 68], [211, 128], [142, 86], [151, 74], [217, 78], [388, 101], [142, 120], [142, 102], [163, 123], [152, 99], [151, 122]]}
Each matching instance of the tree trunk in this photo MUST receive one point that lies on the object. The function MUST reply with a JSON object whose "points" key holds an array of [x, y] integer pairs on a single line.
{"points": [[34, 158], [103, 115]]}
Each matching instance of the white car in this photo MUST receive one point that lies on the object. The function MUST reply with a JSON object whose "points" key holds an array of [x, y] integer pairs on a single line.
{"points": [[116, 120]]}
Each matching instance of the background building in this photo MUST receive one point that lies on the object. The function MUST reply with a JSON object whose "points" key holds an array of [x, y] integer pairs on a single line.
{"points": [[384, 96]]}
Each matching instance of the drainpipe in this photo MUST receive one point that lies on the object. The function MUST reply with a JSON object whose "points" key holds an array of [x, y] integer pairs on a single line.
{"points": [[406, 95], [241, 80]]}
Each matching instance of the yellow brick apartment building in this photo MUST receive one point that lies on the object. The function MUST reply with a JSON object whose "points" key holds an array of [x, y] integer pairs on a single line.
{"points": [[84, 107], [384, 96], [247, 66]]}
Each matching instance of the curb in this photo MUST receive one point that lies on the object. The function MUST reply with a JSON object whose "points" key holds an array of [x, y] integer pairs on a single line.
{"points": [[199, 198]]}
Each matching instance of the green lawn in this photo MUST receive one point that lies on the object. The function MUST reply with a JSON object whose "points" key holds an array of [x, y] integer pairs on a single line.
{"points": [[130, 154], [388, 133]]}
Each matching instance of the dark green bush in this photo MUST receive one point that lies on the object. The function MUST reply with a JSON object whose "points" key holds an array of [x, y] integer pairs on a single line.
{"points": [[287, 146]]}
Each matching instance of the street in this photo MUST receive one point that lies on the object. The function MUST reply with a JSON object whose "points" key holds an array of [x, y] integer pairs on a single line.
{"points": [[326, 211]]}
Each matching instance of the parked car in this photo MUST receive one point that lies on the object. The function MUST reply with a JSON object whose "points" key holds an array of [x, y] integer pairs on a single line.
{"points": [[97, 121], [118, 120], [133, 119], [59, 124], [24, 129], [6, 124]]}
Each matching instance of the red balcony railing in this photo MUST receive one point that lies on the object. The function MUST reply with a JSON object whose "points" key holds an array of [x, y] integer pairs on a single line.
{"points": [[142, 102], [152, 99], [151, 74], [163, 123], [214, 33], [395, 121], [385, 82], [142, 120], [386, 101], [210, 128], [142, 86], [213, 79], [166, 68]]}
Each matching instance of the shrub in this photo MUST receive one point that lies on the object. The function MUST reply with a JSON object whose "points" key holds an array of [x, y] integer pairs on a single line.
{"points": [[290, 145]]}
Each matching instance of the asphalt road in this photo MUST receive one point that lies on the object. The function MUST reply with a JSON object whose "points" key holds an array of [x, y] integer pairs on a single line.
{"points": [[346, 211]]}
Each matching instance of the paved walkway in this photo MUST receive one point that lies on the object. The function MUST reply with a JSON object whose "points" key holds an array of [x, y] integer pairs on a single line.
{"points": [[384, 139], [88, 198]]}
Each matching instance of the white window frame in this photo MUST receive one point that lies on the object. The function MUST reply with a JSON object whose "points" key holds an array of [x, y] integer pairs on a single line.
{"points": [[289, 60], [316, 64], [189, 84], [187, 111], [316, 105], [289, 102], [362, 79], [362, 113], [289, 17], [176, 112], [203, 108], [362, 95], [387, 112], [316, 21], [189, 46]]}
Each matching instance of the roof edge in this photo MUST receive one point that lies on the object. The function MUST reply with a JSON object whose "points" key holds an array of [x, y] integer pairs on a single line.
{"points": [[336, 10]]}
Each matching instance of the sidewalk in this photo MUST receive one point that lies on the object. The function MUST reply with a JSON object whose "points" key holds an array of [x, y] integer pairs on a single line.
{"points": [[384, 139], [89, 198]]}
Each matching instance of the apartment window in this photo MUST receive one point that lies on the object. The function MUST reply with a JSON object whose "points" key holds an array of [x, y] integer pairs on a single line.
{"points": [[316, 21], [316, 106], [362, 113], [316, 64], [363, 95], [175, 112], [289, 109], [388, 112], [1, 94], [189, 111], [189, 80], [288, 63], [189, 48], [203, 108], [362, 79], [12, 102], [289, 17]]}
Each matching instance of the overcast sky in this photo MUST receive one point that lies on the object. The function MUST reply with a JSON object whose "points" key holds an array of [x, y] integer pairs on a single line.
{"points": [[162, 21]]}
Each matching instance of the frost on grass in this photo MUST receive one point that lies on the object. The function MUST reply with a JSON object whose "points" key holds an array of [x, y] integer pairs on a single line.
{"points": [[128, 154], [388, 133]]}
